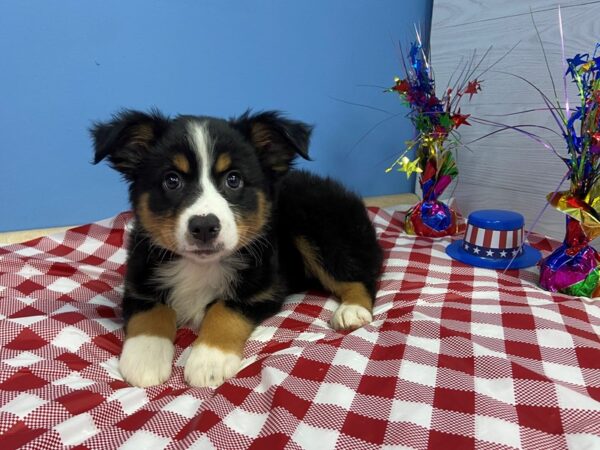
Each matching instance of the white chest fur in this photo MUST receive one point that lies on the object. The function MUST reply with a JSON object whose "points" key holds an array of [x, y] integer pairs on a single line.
{"points": [[194, 285]]}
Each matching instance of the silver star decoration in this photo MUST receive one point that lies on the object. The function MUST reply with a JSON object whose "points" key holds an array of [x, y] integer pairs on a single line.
{"points": [[476, 250], [503, 254], [489, 253]]}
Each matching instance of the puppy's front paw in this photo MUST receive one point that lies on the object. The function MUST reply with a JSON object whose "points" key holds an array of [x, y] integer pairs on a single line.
{"points": [[209, 366], [350, 317], [146, 360]]}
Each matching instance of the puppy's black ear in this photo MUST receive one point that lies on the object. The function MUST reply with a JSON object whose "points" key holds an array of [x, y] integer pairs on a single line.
{"points": [[125, 138], [277, 140]]}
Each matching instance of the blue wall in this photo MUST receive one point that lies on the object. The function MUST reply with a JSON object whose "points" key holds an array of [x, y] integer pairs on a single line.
{"points": [[69, 62]]}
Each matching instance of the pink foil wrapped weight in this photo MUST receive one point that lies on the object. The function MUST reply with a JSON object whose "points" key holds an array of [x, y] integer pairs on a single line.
{"points": [[432, 217]]}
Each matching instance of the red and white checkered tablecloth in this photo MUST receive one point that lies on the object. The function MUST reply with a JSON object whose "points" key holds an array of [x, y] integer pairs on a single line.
{"points": [[457, 357]]}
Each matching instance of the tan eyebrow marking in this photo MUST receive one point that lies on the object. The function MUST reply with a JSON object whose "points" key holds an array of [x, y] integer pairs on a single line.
{"points": [[182, 163], [223, 163]]}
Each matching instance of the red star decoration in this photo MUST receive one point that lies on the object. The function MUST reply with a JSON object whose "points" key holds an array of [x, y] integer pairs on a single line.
{"points": [[460, 119], [401, 86], [473, 87]]}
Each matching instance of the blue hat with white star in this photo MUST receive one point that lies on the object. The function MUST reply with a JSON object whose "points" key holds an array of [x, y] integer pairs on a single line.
{"points": [[494, 240]]}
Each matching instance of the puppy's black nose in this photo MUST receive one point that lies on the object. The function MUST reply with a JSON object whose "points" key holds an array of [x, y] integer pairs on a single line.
{"points": [[204, 228]]}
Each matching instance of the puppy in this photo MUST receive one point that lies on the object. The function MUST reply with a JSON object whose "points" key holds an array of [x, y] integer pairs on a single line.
{"points": [[223, 231]]}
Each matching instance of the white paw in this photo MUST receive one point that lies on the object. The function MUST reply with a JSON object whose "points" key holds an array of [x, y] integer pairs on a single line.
{"points": [[350, 317], [146, 360], [209, 366]]}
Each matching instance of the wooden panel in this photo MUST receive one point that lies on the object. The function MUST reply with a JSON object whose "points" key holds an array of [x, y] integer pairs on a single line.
{"points": [[508, 170]]}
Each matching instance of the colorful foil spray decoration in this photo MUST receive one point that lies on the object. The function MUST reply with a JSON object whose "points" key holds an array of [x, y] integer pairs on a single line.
{"points": [[574, 267], [435, 120]]}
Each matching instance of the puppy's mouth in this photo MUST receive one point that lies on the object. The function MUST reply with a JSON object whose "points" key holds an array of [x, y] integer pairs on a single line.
{"points": [[205, 251]]}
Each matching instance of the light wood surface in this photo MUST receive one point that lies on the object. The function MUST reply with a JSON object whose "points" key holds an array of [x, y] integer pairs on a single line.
{"points": [[12, 237], [509, 170], [387, 201]]}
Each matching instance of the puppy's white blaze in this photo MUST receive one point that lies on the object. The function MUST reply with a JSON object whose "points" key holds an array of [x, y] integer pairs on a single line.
{"points": [[193, 287], [209, 366], [146, 360], [350, 317], [210, 200]]}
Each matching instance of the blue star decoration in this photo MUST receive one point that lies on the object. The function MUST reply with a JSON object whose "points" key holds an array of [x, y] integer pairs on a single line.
{"points": [[576, 61]]}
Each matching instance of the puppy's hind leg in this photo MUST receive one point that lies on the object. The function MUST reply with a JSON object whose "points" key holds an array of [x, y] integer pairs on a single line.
{"points": [[356, 303], [356, 307]]}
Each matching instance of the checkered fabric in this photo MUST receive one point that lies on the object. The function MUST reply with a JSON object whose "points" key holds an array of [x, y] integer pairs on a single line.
{"points": [[457, 357]]}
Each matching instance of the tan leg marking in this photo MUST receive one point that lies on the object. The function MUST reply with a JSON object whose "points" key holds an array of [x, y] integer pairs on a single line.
{"points": [[159, 321], [349, 292], [217, 353], [356, 305], [147, 355], [224, 328]]}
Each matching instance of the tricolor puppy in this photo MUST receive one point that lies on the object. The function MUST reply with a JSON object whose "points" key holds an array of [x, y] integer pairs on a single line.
{"points": [[223, 231]]}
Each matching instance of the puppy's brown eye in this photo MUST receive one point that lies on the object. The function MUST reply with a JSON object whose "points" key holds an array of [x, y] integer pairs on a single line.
{"points": [[172, 181], [233, 180]]}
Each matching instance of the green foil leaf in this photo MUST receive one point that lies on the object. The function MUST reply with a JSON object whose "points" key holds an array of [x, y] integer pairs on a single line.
{"points": [[585, 288]]}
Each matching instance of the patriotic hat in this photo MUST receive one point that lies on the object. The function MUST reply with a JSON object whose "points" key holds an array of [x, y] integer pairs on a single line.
{"points": [[492, 239]]}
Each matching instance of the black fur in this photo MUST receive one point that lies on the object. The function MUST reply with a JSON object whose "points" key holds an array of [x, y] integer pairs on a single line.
{"points": [[335, 222]]}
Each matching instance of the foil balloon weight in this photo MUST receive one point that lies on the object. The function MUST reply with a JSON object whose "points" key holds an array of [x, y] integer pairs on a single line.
{"points": [[573, 268], [436, 121], [432, 217]]}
